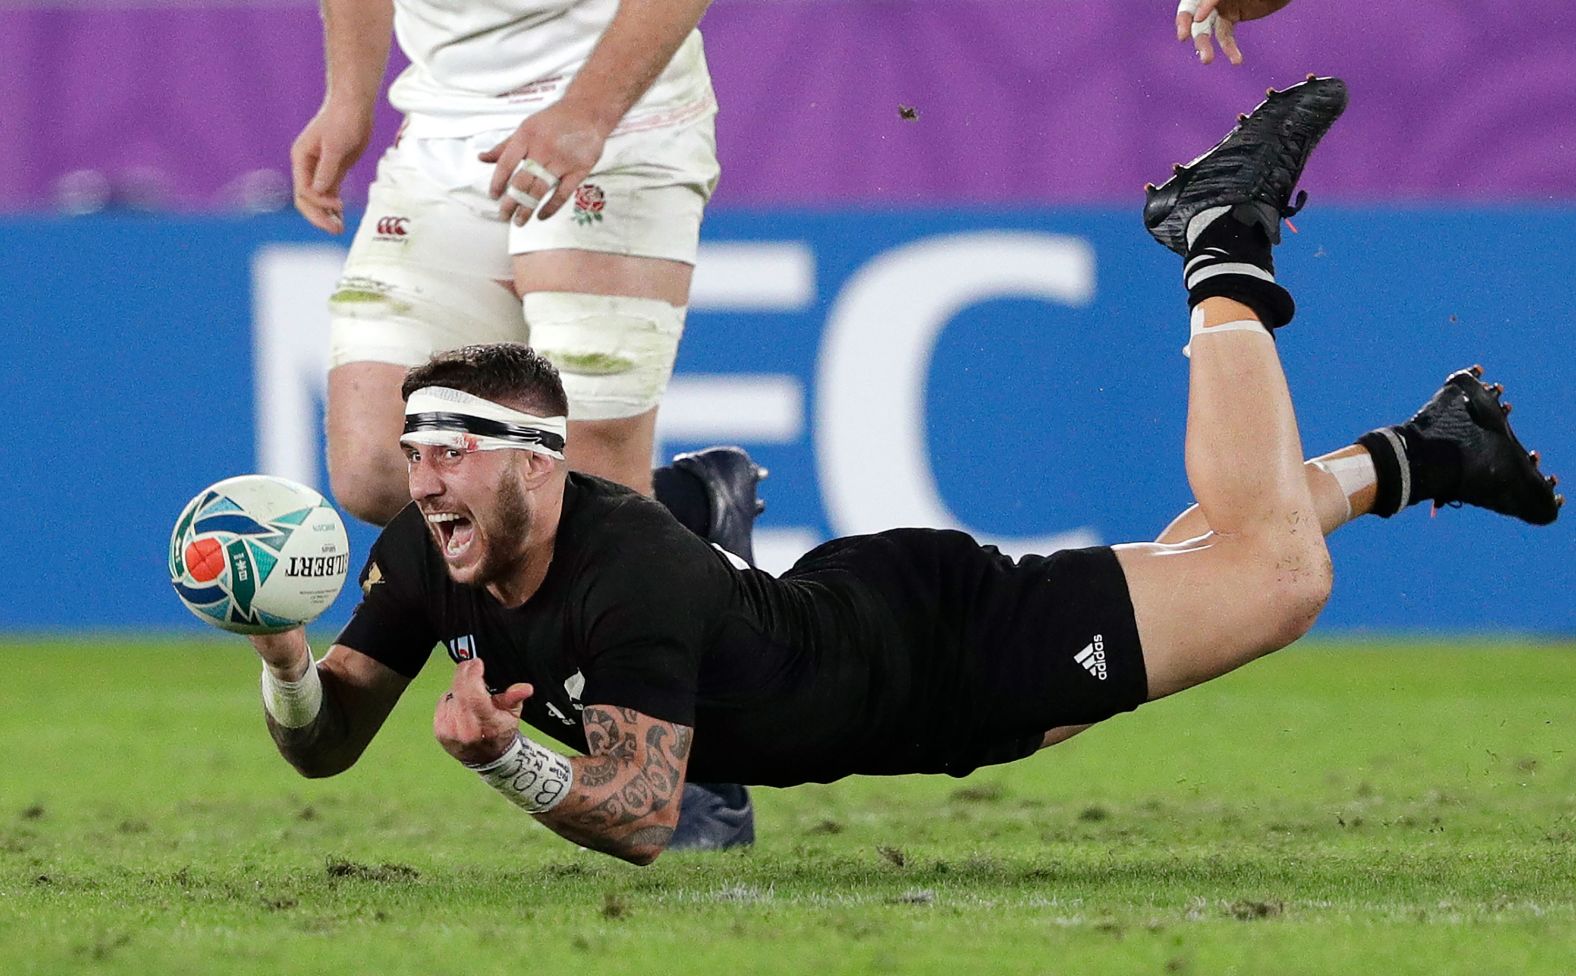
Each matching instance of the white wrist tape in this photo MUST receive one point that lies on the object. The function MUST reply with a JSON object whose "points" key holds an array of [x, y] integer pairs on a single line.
{"points": [[293, 704], [531, 777]]}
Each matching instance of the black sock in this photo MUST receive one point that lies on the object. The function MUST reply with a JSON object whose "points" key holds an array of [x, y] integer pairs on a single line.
{"points": [[1227, 241], [685, 496], [1410, 468]]}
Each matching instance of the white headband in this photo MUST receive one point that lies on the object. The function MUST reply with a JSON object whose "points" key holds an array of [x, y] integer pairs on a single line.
{"points": [[444, 417]]}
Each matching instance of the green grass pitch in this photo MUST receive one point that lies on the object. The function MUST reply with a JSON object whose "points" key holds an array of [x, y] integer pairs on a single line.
{"points": [[1337, 808]]}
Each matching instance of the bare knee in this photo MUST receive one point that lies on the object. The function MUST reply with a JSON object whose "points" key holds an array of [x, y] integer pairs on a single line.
{"points": [[367, 482], [366, 414], [619, 450], [1297, 576]]}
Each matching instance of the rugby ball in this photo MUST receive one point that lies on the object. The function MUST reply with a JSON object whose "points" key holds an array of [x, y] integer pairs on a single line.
{"points": [[258, 555]]}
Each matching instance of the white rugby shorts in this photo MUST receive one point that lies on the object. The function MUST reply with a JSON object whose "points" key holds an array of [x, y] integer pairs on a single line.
{"points": [[425, 266]]}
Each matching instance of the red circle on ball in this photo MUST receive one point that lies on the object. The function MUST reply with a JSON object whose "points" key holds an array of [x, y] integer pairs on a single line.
{"points": [[205, 560]]}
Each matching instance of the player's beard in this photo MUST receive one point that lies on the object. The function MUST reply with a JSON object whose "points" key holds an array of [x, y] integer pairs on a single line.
{"points": [[499, 536], [504, 535]]}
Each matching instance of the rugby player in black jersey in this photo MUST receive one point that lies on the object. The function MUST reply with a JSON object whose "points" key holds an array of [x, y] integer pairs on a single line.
{"points": [[586, 611]]}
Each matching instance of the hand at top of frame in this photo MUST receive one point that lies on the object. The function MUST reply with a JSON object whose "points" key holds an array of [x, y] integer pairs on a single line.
{"points": [[1202, 19]]}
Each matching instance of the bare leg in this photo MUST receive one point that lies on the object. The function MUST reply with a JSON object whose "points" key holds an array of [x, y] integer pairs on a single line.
{"points": [[1257, 581], [1334, 504], [364, 419], [618, 450]]}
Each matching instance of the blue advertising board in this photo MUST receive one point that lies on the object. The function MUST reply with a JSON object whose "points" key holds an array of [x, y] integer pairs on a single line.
{"points": [[1017, 374]]}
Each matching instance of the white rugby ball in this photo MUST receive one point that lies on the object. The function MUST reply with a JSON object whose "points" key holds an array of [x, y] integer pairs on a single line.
{"points": [[258, 555]]}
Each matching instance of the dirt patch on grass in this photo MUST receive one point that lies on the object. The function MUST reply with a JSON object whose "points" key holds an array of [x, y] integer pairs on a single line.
{"points": [[894, 855], [983, 793], [614, 906], [379, 873], [1248, 910]]}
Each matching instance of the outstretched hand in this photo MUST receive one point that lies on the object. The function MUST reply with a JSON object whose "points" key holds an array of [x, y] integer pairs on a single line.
{"points": [[473, 725], [1203, 19]]}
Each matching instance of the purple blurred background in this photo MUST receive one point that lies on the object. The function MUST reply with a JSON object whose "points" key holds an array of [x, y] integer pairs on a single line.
{"points": [[193, 105]]}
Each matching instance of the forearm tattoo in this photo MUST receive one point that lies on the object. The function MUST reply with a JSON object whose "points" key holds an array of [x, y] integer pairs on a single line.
{"points": [[626, 790]]}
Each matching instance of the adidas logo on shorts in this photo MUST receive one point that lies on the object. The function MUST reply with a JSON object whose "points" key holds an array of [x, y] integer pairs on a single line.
{"points": [[1092, 657]]}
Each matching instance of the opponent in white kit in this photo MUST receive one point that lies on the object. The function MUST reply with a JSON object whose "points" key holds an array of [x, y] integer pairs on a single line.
{"points": [[546, 187]]}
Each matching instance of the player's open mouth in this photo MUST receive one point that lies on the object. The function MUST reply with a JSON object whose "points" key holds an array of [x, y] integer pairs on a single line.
{"points": [[455, 532]]}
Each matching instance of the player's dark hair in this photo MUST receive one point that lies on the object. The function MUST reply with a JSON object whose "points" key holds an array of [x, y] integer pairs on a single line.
{"points": [[499, 371]]}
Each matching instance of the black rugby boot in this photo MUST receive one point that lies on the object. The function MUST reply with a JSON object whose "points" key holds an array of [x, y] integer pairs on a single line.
{"points": [[1257, 164], [1222, 211], [730, 476], [1459, 449], [714, 817]]}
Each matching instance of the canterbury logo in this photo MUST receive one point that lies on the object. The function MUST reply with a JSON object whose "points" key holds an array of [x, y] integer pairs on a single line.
{"points": [[1092, 657], [393, 226]]}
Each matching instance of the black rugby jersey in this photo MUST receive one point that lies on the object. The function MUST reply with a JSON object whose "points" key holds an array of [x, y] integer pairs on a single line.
{"points": [[831, 670]]}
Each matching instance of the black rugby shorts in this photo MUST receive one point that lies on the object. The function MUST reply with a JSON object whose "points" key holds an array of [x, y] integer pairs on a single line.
{"points": [[1068, 653], [1040, 643]]}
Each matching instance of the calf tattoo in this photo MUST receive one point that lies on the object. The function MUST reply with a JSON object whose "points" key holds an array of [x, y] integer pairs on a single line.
{"points": [[626, 791]]}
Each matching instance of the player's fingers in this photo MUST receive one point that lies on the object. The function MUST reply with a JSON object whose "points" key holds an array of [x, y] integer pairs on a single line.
{"points": [[320, 209], [308, 206], [1185, 10], [1205, 49], [325, 188], [322, 219], [319, 212], [502, 170], [513, 697], [468, 685], [520, 199], [1205, 8], [1202, 31], [330, 169], [532, 183], [303, 163], [509, 157], [561, 194], [525, 194], [1226, 34], [491, 155]]}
